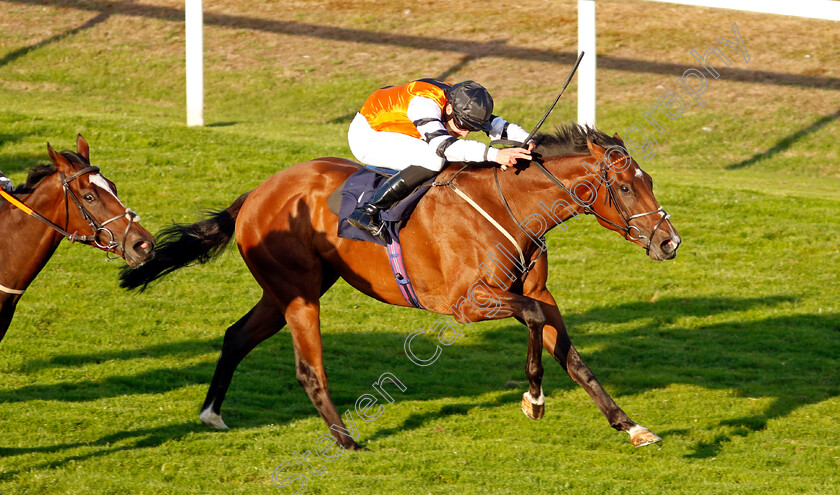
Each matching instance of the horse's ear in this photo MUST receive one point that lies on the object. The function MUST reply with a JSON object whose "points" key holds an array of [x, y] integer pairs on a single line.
{"points": [[82, 147], [58, 159], [595, 150], [615, 136]]}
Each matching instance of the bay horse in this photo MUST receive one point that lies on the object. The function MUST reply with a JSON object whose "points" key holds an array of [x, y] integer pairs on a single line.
{"points": [[96, 217], [287, 237]]}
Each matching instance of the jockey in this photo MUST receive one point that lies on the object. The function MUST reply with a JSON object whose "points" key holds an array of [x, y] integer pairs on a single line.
{"points": [[414, 129], [6, 183]]}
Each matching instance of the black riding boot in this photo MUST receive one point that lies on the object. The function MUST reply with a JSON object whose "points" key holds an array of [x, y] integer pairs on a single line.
{"points": [[396, 188], [366, 216]]}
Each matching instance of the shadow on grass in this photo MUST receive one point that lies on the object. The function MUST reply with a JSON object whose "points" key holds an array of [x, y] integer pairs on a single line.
{"points": [[791, 359], [787, 141], [795, 360], [471, 49], [142, 438], [10, 164], [180, 348]]}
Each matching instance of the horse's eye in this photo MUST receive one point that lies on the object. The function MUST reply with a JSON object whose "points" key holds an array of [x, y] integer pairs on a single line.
{"points": [[89, 197], [624, 189]]}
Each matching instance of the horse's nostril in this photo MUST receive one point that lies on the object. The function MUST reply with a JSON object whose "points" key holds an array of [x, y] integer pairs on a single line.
{"points": [[143, 247], [667, 246]]}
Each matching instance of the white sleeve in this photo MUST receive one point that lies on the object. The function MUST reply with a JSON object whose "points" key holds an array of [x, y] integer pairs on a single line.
{"points": [[426, 115]]}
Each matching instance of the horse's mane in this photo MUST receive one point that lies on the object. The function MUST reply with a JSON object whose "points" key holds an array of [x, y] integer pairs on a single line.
{"points": [[570, 139], [40, 172], [37, 174]]}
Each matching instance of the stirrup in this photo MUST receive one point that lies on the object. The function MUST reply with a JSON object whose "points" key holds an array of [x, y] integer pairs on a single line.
{"points": [[363, 220], [377, 231]]}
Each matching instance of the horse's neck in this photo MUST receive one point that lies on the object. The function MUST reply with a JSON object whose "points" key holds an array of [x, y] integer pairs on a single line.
{"points": [[27, 243], [535, 193], [536, 204], [570, 170]]}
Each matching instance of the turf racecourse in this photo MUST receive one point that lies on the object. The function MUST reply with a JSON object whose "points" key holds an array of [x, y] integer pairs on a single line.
{"points": [[730, 352]]}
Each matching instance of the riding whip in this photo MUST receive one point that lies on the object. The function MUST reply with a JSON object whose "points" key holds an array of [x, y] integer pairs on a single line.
{"points": [[540, 123], [568, 80]]}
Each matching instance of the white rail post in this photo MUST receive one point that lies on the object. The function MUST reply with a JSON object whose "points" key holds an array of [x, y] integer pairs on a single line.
{"points": [[195, 62], [586, 71]]}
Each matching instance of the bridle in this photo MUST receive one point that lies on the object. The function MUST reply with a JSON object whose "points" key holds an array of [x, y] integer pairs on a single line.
{"points": [[627, 229], [99, 229], [626, 217]]}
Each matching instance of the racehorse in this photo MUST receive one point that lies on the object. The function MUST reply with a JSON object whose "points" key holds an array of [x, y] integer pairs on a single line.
{"points": [[287, 237], [96, 217]]}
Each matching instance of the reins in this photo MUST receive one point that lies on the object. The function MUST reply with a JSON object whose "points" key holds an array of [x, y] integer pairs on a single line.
{"points": [[98, 228], [627, 229], [450, 184]]}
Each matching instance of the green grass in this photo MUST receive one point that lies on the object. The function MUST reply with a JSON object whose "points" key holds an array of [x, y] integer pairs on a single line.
{"points": [[729, 352]]}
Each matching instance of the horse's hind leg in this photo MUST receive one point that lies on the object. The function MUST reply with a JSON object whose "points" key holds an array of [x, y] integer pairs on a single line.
{"points": [[295, 283], [264, 320], [304, 322]]}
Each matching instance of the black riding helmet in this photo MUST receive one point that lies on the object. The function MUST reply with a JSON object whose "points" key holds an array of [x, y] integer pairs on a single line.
{"points": [[472, 105]]}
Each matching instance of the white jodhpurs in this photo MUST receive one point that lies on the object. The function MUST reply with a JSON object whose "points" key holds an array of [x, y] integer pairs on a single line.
{"points": [[390, 149]]}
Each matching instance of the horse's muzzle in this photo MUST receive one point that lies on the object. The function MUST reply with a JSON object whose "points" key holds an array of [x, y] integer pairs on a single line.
{"points": [[665, 249], [139, 248]]}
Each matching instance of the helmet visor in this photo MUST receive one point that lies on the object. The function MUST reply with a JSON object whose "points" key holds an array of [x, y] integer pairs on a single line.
{"points": [[467, 125]]}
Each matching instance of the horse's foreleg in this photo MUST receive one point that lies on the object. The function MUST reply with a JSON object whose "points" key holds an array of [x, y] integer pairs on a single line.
{"points": [[264, 320], [533, 402], [303, 318], [529, 312], [556, 341]]}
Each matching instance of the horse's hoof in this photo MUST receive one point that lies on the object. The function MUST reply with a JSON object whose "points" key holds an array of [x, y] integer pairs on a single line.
{"points": [[641, 436], [212, 419], [534, 409]]}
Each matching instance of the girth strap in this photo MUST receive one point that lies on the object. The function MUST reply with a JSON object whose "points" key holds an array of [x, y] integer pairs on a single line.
{"points": [[7, 290], [395, 258]]}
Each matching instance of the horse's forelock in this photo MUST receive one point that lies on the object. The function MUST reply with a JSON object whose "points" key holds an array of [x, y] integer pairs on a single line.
{"points": [[74, 157], [40, 172]]}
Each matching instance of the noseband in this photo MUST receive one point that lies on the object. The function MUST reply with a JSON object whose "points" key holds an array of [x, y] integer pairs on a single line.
{"points": [[626, 217], [98, 228]]}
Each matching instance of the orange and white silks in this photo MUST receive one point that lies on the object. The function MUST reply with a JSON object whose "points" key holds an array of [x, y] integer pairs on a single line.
{"points": [[385, 110]]}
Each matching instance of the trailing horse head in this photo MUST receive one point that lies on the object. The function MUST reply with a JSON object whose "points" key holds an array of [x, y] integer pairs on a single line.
{"points": [[628, 205], [99, 218]]}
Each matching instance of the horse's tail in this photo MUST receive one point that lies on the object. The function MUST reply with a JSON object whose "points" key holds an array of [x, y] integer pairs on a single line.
{"points": [[182, 245]]}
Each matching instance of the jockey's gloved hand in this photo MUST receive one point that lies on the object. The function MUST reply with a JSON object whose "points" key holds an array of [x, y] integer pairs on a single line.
{"points": [[6, 184]]}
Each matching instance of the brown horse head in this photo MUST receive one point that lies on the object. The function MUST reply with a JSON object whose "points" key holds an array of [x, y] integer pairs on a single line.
{"points": [[629, 206], [99, 217], [608, 183]]}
